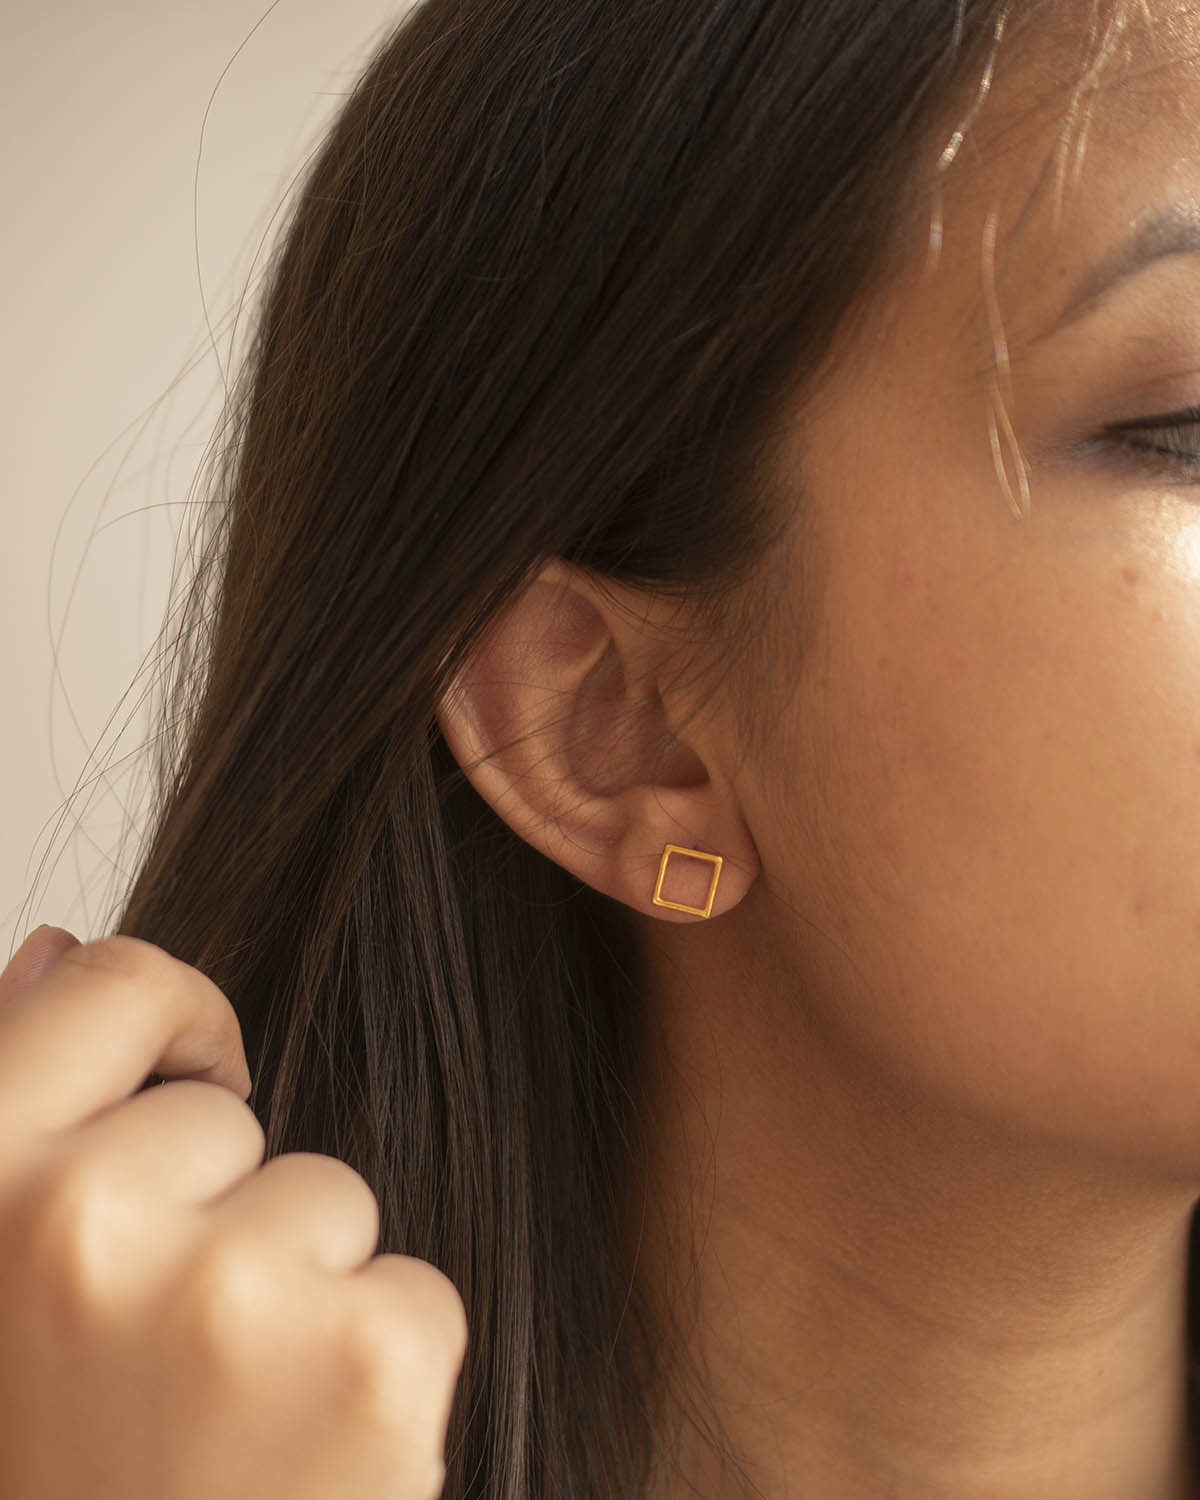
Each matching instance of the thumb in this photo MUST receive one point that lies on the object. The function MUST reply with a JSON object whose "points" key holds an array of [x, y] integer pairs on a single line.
{"points": [[40, 951]]}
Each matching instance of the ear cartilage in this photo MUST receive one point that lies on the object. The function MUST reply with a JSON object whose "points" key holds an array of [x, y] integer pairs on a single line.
{"points": [[695, 911]]}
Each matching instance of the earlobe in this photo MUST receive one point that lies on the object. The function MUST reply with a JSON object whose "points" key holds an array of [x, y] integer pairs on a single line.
{"points": [[558, 720], [698, 907]]}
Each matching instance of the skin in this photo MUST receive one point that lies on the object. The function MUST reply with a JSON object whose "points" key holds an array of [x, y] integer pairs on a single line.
{"points": [[926, 1114]]}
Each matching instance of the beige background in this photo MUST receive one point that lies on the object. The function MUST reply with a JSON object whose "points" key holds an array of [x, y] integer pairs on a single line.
{"points": [[113, 222]]}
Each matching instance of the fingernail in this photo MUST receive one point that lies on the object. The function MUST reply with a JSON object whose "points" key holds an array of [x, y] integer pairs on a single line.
{"points": [[25, 967], [29, 937]]}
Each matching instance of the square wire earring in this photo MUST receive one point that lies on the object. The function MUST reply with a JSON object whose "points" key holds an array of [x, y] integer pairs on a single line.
{"points": [[695, 911]]}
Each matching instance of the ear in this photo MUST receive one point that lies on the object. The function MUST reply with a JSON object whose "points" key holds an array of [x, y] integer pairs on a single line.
{"points": [[563, 718]]}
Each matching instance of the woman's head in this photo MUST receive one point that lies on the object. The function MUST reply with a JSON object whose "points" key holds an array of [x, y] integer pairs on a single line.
{"points": [[635, 300], [949, 773]]}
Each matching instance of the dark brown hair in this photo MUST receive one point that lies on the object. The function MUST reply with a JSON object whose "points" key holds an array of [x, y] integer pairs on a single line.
{"points": [[540, 294]]}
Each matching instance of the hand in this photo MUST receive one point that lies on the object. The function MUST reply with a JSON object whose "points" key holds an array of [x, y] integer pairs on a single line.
{"points": [[180, 1320]]}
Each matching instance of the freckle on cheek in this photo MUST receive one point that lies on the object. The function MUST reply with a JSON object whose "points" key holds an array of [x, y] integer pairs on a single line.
{"points": [[1131, 576]]}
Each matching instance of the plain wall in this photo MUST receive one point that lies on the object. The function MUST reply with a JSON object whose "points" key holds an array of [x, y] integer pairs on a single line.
{"points": [[114, 224]]}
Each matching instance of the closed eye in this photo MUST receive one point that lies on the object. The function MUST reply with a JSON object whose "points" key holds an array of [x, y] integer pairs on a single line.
{"points": [[1164, 444]]}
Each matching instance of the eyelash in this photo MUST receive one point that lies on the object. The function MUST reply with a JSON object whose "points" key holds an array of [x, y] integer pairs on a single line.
{"points": [[1176, 445]]}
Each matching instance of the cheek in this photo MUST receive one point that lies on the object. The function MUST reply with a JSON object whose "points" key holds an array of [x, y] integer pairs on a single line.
{"points": [[1005, 845]]}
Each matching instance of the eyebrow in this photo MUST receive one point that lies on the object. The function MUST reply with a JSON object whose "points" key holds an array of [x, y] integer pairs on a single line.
{"points": [[1162, 233]]}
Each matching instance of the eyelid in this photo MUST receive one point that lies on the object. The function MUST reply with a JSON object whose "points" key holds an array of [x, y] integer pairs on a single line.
{"points": [[1188, 417], [1170, 450]]}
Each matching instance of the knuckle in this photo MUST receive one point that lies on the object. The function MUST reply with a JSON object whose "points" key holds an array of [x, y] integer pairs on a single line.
{"points": [[333, 1182], [156, 986], [361, 1351], [384, 1380], [445, 1306], [128, 957], [217, 1298], [243, 1125], [67, 1201], [251, 1127], [458, 1324], [344, 1179], [65, 1238], [360, 1370], [431, 1322], [140, 973]]}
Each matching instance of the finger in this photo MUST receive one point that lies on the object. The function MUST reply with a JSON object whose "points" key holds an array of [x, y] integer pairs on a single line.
{"points": [[40, 951], [186, 1142], [86, 1033], [311, 1206]]}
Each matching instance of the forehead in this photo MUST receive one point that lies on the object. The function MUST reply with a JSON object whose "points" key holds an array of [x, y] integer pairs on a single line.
{"points": [[1092, 133], [1089, 125]]}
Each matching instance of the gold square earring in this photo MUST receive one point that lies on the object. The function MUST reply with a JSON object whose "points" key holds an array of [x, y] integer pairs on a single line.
{"points": [[695, 911]]}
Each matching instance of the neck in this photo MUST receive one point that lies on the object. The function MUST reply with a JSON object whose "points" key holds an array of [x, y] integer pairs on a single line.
{"points": [[889, 1299]]}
